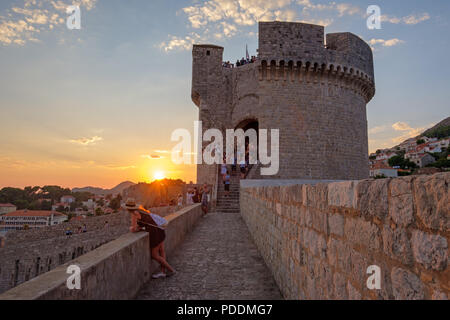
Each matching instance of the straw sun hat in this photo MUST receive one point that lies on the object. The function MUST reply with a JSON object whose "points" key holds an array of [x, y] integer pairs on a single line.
{"points": [[130, 204]]}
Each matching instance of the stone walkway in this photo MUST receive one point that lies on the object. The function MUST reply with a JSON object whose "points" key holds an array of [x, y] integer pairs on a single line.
{"points": [[217, 261]]}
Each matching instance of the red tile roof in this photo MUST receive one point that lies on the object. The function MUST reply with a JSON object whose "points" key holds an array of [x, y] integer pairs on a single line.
{"points": [[380, 165], [33, 213], [7, 205]]}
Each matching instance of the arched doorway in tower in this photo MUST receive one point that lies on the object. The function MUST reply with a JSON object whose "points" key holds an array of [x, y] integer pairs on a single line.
{"points": [[250, 146]]}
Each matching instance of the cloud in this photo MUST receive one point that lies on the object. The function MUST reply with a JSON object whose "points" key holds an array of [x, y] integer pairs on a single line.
{"points": [[115, 167], [385, 43], [378, 129], [87, 141], [407, 20], [401, 126], [152, 156], [222, 19], [24, 24], [185, 43], [409, 132]]}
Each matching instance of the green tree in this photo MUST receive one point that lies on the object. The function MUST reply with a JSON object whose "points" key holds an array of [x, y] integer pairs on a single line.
{"points": [[99, 212], [420, 141], [115, 203]]}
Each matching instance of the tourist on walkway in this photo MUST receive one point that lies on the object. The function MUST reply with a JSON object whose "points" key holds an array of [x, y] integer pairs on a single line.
{"points": [[180, 200], [227, 184], [223, 170], [142, 219], [196, 196], [205, 194], [189, 196]]}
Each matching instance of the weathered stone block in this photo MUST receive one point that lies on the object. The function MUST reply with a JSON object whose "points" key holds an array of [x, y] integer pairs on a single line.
{"points": [[430, 250], [439, 295], [353, 294], [432, 201], [316, 196], [401, 208], [396, 244], [340, 290], [342, 194], [336, 224], [372, 198], [406, 285], [362, 232]]}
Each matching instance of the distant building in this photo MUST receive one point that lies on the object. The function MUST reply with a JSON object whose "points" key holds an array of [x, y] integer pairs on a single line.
{"points": [[7, 208], [62, 204], [22, 219], [381, 169], [90, 204], [67, 199], [420, 159], [408, 145]]}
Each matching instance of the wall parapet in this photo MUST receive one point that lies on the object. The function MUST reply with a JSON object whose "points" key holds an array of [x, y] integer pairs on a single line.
{"points": [[116, 270], [319, 239]]}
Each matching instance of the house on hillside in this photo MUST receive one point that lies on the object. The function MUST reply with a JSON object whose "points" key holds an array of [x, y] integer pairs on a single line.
{"points": [[421, 159], [67, 199], [382, 169]]}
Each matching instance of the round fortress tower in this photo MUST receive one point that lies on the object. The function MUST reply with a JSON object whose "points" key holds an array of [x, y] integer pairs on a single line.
{"points": [[315, 94]]}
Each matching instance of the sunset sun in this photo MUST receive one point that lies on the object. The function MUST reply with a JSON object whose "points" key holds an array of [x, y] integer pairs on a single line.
{"points": [[159, 175]]}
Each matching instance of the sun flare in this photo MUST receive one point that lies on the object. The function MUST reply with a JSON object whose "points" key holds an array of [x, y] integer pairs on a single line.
{"points": [[159, 175]]}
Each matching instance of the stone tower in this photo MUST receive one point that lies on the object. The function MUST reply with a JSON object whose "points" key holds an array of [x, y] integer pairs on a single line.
{"points": [[315, 94]]}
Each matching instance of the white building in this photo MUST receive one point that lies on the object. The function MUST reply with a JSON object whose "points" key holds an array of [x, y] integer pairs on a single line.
{"points": [[381, 169], [7, 208], [90, 204], [67, 199], [30, 219]]}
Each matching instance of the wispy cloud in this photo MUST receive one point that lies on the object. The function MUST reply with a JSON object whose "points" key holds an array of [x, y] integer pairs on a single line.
{"points": [[409, 132], [407, 20], [87, 141], [152, 156], [378, 129], [385, 43], [26, 23], [221, 19]]}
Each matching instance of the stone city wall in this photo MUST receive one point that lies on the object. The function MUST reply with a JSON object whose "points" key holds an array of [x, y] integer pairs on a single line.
{"points": [[319, 239], [30, 253], [116, 270]]}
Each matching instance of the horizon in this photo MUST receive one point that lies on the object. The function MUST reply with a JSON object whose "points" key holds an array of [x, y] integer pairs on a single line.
{"points": [[96, 106]]}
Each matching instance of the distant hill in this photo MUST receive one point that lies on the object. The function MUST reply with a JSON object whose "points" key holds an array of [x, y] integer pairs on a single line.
{"points": [[157, 193], [441, 130], [99, 191]]}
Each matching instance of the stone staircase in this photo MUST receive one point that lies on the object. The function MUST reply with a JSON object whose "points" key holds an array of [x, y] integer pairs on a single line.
{"points": [[230, 203]]}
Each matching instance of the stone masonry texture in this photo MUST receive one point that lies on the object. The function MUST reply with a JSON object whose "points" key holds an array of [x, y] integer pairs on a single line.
{"points": [[318, 240], [217, 260], [30, 253], [315, 94]]}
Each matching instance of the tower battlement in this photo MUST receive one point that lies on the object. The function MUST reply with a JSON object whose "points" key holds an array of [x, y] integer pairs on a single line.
{"points": [[314, 91]]}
